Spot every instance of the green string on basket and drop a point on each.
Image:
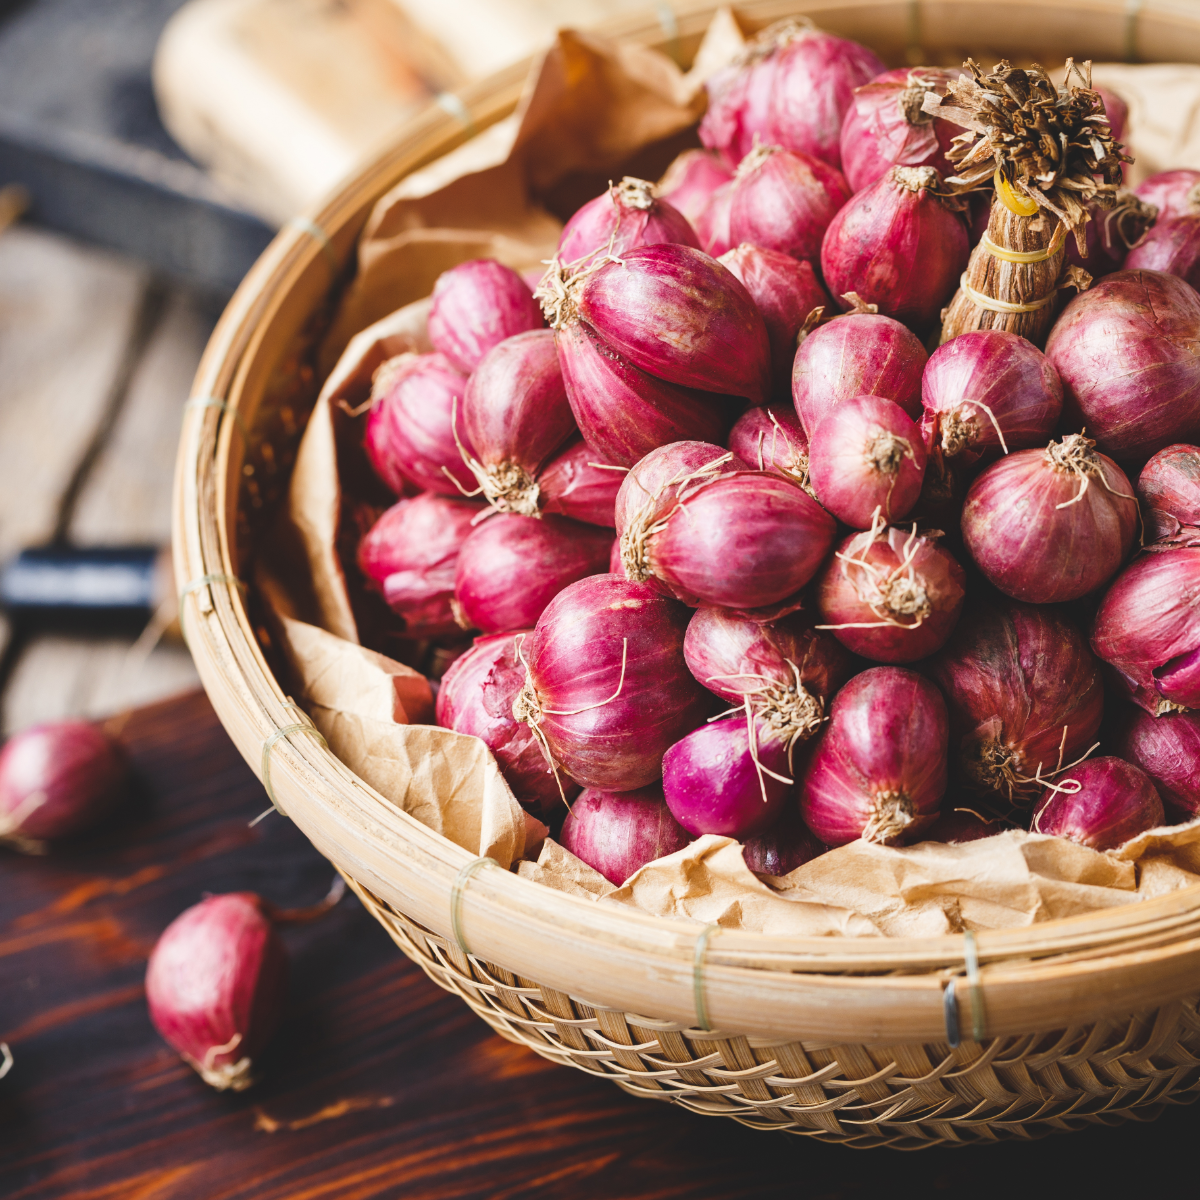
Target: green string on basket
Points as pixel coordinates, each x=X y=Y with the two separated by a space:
x=950 y=997
x=456 y=899
x=305 y=726
x=698 y=994
x=203 y=582
x=221 y=406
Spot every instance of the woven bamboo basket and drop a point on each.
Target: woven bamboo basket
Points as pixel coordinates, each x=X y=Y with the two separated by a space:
x=871 y=1042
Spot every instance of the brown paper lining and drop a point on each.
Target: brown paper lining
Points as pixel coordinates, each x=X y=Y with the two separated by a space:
x=592 y=111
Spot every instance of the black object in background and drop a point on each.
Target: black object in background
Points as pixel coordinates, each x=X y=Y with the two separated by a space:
x=79 y=129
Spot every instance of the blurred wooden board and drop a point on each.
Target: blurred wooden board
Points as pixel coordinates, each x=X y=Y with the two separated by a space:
x=379 y=1085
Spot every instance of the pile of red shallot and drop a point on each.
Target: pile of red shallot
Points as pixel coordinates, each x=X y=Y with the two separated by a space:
x=747 y=550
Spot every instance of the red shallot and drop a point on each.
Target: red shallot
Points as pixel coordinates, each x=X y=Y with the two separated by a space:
x=1148 y=630
x=410 y=432
x=958 y=825
x=898 y=245
x=690 y=181
x=772 y=439
x=1025 y=698
x=410 y=554
x=672 y=311
x=618 y=833
x=1173 y=246
x=476 y=697
x=1173 y=193
x=1050 y=525
x=745 y=540
x=886 y=126
x=58 y=779
x=512 y=566
x=215 y=985
x=786 y=292
x=712 y=222
x=783 y=200
x=476 y=305
x=515 y=416
x=1167 y=748
x=867 y=457
x=1128 y=354
x=727 y=778
x=1111 y=233
x=581 y=484
x=987 y=392
x=785 y=847
x=607 y=689
x=791 y=87
x=860 y=354
x=1169 y=489
x=623 y=412
x=891 y=595
x=625 y=216
x=1105 y=802
x=879 y=769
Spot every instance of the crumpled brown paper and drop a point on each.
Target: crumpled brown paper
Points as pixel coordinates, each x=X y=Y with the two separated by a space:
x=592 y=111
x=1009 y=881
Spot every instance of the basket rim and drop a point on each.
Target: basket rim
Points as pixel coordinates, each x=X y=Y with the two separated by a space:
x=755 y=982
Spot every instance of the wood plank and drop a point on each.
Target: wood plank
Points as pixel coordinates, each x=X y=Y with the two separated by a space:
x=127 y=496
x=379 y=1085
x=66 y=314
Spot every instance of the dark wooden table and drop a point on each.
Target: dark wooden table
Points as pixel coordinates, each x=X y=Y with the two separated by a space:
x=379 y=1084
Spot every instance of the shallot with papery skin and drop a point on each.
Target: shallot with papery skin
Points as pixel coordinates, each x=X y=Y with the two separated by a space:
x=783 y=200
x=1173 y=193
x=987 y=392
x=783 y=671
x=1173 y=246
x=476 y=697
x=1025 y=698
x=727 y=778
x=58 y=779
x=1148 y=630
x=215 y=985
x=1102 y=804
x=475 y=306
x=625 y=216
x=891 y=595
x=879 y=769
x=618 y=833
x=512 y=566
x=410 y=554
x=867 y=457
x=410 y=432
x=886 y=126
x=580 y=484
x=744 y=541
x=712 y=222
x=772 y=439
x=1167 y=748
x=786 y=291
x=690 y=181
x=899 y=245
x=791 y=86
x=958 y=825
x=515 y=415
x=1050 y=525
x=861 y=354
x=1128 y=353
x=607 y=689
x=623 y=412
x=1111 y=233
x=1169 y=489
x=783 y=848
x=672 y=311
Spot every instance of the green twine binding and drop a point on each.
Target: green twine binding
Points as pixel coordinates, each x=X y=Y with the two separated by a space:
x=698 y=996
x=456 y=899
x=202 y=582
x=950 y=997
x=305 y=726
x=221 y=406
x=318 y=235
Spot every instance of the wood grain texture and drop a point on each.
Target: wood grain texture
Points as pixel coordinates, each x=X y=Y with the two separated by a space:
x=379 y=1085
